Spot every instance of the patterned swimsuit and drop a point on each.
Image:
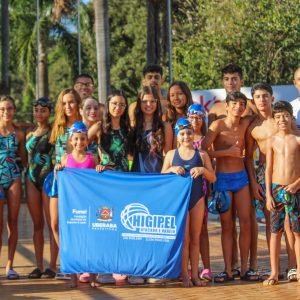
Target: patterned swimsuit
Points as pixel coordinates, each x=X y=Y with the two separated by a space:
x=114 y=144
x=9 y=169
x=40 y=164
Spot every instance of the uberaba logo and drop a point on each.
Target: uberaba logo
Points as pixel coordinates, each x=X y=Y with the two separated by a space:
x=136 y=217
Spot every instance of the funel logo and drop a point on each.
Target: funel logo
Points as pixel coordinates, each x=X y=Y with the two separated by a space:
x=136 y=217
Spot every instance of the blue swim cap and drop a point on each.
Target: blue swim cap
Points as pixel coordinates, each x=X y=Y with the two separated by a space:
x=196 y=109
x=78 y=127
x=182 y=123
x=219 y=203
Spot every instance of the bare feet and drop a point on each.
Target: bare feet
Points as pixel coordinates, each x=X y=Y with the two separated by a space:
x=270 y=281
x=186 y=282
x=73 y=282
x=93 y=281
x=197 y=282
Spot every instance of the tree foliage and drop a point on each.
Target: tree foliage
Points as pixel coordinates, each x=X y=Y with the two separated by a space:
x=260 y=35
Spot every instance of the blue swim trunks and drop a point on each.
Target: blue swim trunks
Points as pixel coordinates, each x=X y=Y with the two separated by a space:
x=231 y=182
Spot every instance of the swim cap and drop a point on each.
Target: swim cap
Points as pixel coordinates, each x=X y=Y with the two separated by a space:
x=44 y=102
x=196 y=109
x=219 y=203
x=78 y=127
x=182 y=123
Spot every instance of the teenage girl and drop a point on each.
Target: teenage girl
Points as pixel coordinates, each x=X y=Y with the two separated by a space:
x=151 y=136
x=114 y=139
x=66 y=113
x=179 y=99
x=12 y=147
x=40 y=153
x=79 y=158
x=186 y=159
x=114 y=142
x=196 y=115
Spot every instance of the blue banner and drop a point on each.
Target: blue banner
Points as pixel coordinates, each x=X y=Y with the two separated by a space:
x=125 y=223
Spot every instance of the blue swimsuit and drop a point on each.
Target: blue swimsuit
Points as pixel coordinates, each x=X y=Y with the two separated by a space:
x=197 y=185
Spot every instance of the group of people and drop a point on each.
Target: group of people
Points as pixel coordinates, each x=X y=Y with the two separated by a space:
x=163 y=135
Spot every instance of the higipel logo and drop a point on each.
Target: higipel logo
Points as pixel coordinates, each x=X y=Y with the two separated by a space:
x=136 y=217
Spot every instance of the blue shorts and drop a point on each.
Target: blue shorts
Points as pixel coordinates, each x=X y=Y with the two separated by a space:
x=231 y=182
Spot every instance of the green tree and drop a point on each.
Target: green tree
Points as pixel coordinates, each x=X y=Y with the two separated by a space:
x=261 y=36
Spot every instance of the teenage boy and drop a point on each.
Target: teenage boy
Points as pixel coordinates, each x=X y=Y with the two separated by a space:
x=152 y=76
x=228 y=137
x=84 y=85
x=283 y=185
x=232 y=79
x=296 y=103
x=258 y=133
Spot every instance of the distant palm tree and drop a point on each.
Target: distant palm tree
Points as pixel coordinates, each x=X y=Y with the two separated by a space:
x=4 y=85
x=51 y=30
x=102 y=47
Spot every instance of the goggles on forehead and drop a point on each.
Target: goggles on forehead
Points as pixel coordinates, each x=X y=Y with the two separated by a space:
x=78 y=127
x=196 y=112
x=44 y=102
x=182 y=124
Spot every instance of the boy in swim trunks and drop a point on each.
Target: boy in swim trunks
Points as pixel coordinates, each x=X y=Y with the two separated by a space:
x=283 y=185
x=228 y=136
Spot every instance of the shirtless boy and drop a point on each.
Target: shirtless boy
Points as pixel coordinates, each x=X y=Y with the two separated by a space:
x=153 y=76
x=283 y=185
x=228 y=136
x=232 y=79
x=258 y=133
x=260 y=130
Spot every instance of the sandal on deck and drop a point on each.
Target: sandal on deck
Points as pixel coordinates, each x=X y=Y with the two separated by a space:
x=223 y=277
x=12 y=275
x=48 y=273
x=35 y=274
x=292 y=275
x=206 y=275
x=250 y=275
x=270 y=281
x=236 y=274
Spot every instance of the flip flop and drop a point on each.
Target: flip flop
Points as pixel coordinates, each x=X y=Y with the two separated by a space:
x=84 y=278
x=270 y=281
x=12 y=275
x=250 y=275
x=48 y=273
x=292 y=275
x=35 y=274
x=236 y=274
x=223 y=277
x=206 y=275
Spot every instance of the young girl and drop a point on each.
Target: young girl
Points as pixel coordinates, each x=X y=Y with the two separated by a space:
x=79 y=158
x=12 y=147
x=197 y=163
x=66 y=113
x=40 y=153
x=151 y=136
x=92 y=117
x=179 y=99
x=196 y=115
